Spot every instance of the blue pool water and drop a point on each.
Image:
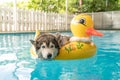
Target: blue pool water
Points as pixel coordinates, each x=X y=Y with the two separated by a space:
x=16 y=62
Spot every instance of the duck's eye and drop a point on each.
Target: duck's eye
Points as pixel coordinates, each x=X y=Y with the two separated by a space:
x=82 y=21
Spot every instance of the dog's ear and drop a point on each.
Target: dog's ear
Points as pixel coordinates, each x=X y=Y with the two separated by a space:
x=33 y=42
x=57 y=35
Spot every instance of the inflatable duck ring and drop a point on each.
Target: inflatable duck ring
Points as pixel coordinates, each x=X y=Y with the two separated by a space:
x=80 y=45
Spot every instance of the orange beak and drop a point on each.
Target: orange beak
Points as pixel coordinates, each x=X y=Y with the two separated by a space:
x=93 y=32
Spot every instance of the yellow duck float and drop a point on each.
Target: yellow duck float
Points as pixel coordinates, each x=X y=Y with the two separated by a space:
x=80 y=45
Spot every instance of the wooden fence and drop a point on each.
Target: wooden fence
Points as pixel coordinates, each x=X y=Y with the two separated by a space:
x=107 y=20
x=29 y=20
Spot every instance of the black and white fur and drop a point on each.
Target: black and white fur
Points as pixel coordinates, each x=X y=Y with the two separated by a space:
x=46 y=46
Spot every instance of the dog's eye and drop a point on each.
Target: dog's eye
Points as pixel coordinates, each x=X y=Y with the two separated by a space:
x=43 y=46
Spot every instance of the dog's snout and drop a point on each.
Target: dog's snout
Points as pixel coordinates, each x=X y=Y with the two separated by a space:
x=49 y=56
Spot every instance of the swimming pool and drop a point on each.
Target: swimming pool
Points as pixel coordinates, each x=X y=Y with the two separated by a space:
x=16 y=62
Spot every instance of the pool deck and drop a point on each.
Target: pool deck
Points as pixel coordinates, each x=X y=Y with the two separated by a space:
x=17 y=32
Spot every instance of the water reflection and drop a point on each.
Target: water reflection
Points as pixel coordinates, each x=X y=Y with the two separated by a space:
x=16 y=62
x=64 y=70
x=14 y=54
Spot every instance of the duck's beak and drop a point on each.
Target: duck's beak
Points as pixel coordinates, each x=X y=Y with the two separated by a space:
x=93 y=32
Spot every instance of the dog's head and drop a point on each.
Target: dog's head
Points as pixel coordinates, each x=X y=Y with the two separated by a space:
x=46 y=46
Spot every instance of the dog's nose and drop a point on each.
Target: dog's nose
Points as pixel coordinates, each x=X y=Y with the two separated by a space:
x=49 y=56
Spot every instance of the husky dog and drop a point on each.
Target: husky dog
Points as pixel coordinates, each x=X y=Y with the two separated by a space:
x=46 y=46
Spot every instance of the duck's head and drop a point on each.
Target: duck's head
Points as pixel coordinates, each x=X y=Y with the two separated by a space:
x=82 y=26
